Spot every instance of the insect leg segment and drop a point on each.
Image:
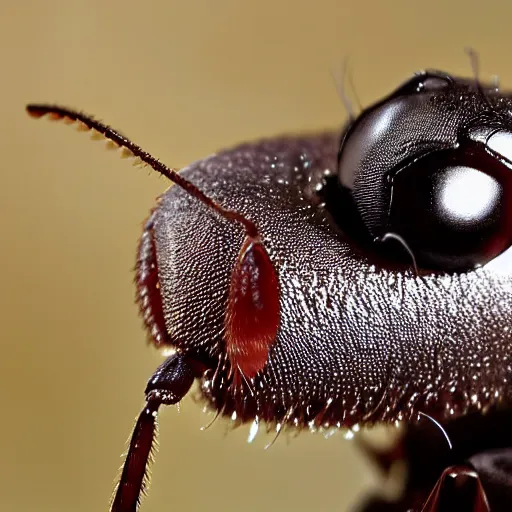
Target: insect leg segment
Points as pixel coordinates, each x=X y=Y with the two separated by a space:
x=168 y=385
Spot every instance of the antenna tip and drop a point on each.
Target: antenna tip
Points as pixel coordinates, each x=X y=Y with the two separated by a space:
x=34 y=111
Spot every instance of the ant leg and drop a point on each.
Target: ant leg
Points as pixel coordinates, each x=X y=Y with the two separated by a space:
x=458 y=488
x=168 y=385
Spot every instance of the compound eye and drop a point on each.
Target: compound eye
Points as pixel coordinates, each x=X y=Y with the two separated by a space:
x=452 y=208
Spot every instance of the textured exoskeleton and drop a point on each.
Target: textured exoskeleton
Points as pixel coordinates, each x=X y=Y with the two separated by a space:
x=318 y=281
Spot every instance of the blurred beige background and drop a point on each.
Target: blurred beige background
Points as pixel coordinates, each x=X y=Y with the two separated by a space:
x=183 y=79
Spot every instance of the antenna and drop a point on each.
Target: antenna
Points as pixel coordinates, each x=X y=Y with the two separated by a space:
x=253 y=311
x=130 y=149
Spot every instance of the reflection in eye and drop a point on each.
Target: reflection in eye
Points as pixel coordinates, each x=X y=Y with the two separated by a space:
x=371 y=128
x=466 y=195
x=501 y=143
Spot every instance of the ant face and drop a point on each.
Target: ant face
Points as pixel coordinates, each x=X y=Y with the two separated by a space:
x=310 y=284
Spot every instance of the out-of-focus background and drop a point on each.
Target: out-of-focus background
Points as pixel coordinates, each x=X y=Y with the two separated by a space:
x=183 y=79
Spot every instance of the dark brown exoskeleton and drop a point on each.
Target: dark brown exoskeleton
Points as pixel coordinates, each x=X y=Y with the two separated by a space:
x=305 y=283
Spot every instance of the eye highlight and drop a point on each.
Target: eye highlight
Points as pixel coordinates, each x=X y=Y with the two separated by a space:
x=465 y=195
x=452 y=209
x=501 y=143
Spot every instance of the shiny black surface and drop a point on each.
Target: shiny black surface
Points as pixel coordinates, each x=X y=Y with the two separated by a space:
x=405 y=165
x=361 y=339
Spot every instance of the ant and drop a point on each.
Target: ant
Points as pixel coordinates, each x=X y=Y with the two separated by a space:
x=318 y=282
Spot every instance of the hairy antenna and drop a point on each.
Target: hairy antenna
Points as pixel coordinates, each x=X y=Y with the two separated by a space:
x=253 y=312
x=130 y=149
